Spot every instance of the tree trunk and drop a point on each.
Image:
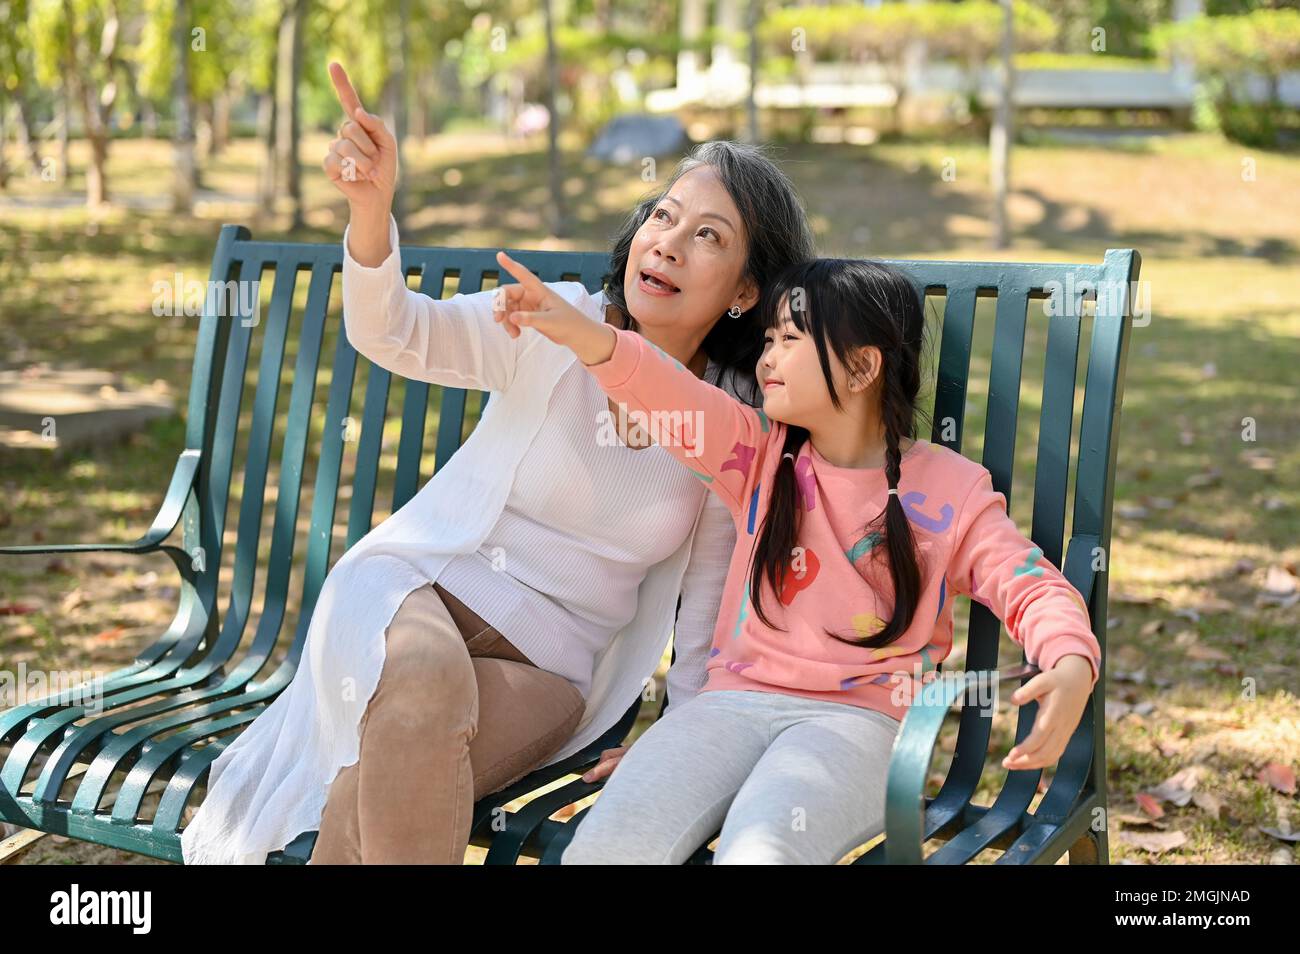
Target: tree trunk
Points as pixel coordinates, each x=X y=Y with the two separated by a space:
x=97 y=134
x=419 y=122
x=82 y=66
x=184 y=177
x=4 y=142
x=220 y=122
x=558 y=225
x=149 y=119
x=288 y=70
x=751 y=104
x=1001 y=133
x=96 y=172
x=266 y=125
x=26 y=137
x=65 y=118
x=397 y=106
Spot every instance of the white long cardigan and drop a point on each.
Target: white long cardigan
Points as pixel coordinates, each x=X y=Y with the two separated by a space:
x=272 y=781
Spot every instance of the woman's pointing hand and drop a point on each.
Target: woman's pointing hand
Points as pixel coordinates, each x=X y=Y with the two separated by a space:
x=532 y=304
x=362 y=161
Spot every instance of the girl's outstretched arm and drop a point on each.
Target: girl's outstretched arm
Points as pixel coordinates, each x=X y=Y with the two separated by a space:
x=996 y=565
x=719 y=439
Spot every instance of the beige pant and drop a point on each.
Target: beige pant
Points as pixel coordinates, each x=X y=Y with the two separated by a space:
x=458 y=713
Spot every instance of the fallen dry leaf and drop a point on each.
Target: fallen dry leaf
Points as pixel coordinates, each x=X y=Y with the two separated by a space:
x=1179 y=786
x=1156 y=842
x=1258 y=461
x=1138 y=821
x=1133 y=599
x=1150 y=805
x=1214 y=604
x=1209 y=803
x=109 y=635
x=1167 y=749
x=1278 y=777
x=1207 y=478
x=1117 y=709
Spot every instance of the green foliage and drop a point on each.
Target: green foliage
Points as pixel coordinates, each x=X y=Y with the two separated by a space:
x=15 y=45
x=1113 y=27
x=216 y=49
x=587 y=58
x=969 y=31
x=51 y=38
x=80 y=42
x=583 y=47
x=1226 y=51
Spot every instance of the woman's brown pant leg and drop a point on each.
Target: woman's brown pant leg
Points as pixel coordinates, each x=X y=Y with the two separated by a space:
x=412 y=785
x=521 y=715
x=525 y=714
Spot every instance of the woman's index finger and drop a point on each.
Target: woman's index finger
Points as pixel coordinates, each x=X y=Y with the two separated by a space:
x=521 y=273
x=343 y=89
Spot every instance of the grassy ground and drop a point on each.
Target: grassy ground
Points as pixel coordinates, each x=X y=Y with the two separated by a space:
x=1201 y=662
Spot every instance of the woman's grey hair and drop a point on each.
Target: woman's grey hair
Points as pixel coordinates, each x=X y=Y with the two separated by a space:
x=777 y=235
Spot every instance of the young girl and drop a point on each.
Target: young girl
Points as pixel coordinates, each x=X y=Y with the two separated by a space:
x=852 y=540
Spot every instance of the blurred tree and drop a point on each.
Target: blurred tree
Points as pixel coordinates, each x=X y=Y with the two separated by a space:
x=288 y=70
x=1116 y=27
x=394 y=66
x=1230 y=53
x=16 y=77
x=184 y=172
x=78 y=45
x=970 y=31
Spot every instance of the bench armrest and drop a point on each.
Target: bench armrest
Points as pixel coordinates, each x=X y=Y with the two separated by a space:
x=169 y=514
x=913 y=751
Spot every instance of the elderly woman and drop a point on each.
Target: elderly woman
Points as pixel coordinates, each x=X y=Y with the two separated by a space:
x=503 y=620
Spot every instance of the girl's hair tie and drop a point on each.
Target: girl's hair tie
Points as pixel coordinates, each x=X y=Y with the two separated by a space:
x=894 y=491
x=787 y=454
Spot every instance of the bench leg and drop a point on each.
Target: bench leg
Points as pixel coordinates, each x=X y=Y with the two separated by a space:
x=1089 y=849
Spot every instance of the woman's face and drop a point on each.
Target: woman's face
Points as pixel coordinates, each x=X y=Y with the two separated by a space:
x=694 y=241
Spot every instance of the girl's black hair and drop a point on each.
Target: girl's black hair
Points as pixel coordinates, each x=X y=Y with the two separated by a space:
x=844 y=305
x=776 y=235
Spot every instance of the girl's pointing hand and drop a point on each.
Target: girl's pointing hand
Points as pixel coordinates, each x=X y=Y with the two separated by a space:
x=532 y=304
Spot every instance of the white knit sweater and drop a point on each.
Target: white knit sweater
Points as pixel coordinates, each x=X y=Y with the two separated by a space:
x=585 y=520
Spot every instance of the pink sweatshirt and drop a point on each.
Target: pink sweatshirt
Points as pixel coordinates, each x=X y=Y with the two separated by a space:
x=966 y=543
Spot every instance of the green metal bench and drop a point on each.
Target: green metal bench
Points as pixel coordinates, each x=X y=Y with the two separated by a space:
x=124 y=775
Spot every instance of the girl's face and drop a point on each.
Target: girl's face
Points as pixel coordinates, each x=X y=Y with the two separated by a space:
x=694 y=241
x=793 y=385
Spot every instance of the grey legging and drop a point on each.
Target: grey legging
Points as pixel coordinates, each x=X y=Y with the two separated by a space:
x=789 y=780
